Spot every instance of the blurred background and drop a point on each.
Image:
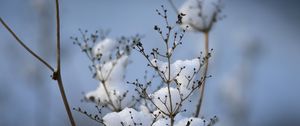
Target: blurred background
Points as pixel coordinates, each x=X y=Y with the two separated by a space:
x=255 y=62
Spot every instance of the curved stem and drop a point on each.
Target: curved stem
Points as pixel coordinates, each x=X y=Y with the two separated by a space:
x=56 y=73
x=64 y=97
x=25 y=46
x=206 y=47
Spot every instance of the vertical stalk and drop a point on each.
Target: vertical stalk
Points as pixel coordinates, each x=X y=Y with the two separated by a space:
x=169 y=79
x=57 y=35
x=169 y=82
x=57 y=73
x=64 y=97
x=206 y=47
x=172 y=120
x=109 y=98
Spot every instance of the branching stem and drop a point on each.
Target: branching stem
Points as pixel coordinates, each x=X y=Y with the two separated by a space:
x=109 y=98
x=26 y=47
x=56 y=73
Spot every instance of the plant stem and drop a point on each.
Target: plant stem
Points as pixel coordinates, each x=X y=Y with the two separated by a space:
x=25 y=46
x=65 y=100
x=57 y=35
x=108 y=96
x=169 y=78
x=206 y=47
x=172 y=120
x=169 y=83
x=57 y=73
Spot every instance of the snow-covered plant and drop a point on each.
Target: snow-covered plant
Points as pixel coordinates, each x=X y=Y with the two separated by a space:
x=178 y=77
x=134 y=103
x=200 y=15
x=109 y=58
x=137 y=103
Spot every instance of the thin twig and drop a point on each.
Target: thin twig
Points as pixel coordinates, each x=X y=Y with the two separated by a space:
x=56 y=73
x=57 y=35
x=206 y=53
x=93 y=117
x=108 y=96
x=26 y=47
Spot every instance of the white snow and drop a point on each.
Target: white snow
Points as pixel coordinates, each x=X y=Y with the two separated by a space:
x=189 y=67
x=193 y=122
x=199 y=13
x=112 y=72
x=128 y=116
x=181 y=121
x=161 y=99
x=104 y=47
x=115 y=73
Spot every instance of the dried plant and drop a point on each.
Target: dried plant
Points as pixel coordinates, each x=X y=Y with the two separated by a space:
x=200 y=16
x=56 y=71
x=178 y=80
x=109 y=60
x=137 y=102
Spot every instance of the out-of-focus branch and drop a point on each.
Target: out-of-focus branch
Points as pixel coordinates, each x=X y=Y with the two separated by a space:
x=206 y=54
x=26 y=47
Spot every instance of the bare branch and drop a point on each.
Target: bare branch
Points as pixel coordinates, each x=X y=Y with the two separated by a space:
x=26 y=47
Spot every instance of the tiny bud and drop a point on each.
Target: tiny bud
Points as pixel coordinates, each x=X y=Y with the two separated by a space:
x=155 y=27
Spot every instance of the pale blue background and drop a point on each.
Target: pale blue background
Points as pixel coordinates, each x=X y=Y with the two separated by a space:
x=29 y=97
